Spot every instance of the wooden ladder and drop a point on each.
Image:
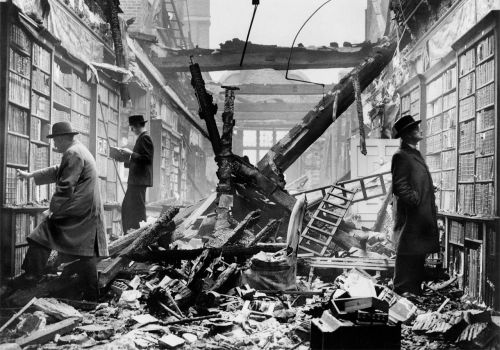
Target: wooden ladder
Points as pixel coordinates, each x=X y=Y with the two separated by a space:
x=175 y=31
x=325 y=221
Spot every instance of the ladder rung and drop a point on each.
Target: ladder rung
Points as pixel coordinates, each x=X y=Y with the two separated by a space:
x=313 y=239
x=330 y=212
x=336 y=204
x=310 y=227
x=342 y=189
x=309 y=250
x=326 y=221
x=347 y=199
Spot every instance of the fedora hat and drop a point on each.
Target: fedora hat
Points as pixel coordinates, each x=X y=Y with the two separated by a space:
x=62 y=128
x=136 y=119
x=404 y=123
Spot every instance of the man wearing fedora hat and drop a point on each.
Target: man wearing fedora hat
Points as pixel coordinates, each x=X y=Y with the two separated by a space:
x=140 y=175
x=74 y=224
x=415 y=222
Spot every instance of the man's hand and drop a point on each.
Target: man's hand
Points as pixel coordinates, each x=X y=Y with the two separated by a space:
x=126 y=151
x=436 y=189
x=46 y=214
x=23 y=174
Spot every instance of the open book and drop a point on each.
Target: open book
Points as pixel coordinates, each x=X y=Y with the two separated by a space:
x=117 y=154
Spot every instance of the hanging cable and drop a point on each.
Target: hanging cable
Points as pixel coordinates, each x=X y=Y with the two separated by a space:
x=255 y=3
x=293 y=43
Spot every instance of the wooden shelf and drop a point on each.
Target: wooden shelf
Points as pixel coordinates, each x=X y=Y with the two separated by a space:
x=484 y=155
x=17 y=73
x=485 y=59
x=19 y=105
x=469 y=217
x=485 y=107
x=467 y=151
x=18 y=134
x=19 y=49
x=456 y=243
x=473 y=240
x=485 y=84
x=14 y=165
x=47 y=95
x=466 y=96
x=40 y=69
x=59 y=104
x=41 y=143
x=467 y=73
x=484 y=130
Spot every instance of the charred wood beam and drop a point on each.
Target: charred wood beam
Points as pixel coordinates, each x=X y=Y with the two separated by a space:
x=313 y=125
x=271 y=228
x=151 y=234
x=229 y=236
x=172 y=256
x=272 y=57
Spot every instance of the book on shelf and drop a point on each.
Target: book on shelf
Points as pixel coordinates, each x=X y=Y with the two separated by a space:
x=40 y=106
x=19 y=90
x=39 y=157
x=111 y=191
x=467 y=108
x=485 y=96
x=484 y=196
x=467 y=139
x=21 y=227
x=449 y=100
x=448 y=160
x=447 y=201
x=467 y=85
x=41 y=58
x=485 y=72
x=485 y=143
x=17 y=120
x=60 y=116
x=485 y=168
x=40 y=81
x=19 y=63
x=471 y=230
x=485 y=119
x=449 y=139
x=485 y=48
x=19 y=37
x=448 y=180
x=450 y=79
x=467 y=62
x=466 y=167
x=62 y=96
x=17 y=149
x=473 y=271
x=16 y=191
x=466 y=199
x=19 y=254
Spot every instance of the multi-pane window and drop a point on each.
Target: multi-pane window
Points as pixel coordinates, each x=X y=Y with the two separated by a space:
x=256 y=143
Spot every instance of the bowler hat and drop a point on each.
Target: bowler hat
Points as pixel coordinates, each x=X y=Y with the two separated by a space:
x=136 y=119
x=404 y=123
x=62 y=128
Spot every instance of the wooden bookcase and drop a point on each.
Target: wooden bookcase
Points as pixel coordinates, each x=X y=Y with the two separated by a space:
x=472 y=231
x=440 y=136
x=26 y=105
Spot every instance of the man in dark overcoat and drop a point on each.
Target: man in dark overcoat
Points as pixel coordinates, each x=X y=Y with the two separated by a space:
x=140 y=175
x=74 y=222
x=415 y=223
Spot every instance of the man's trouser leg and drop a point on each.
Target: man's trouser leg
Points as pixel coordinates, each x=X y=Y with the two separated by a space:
x=35 y=259
x=133 y=207
x=409 y=273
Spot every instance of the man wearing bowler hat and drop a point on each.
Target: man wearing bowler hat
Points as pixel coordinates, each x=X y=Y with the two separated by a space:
x=74 y=222
x=415 y=223
x=140 y=175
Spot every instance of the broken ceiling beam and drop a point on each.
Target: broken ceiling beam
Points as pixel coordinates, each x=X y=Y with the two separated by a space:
x=172 y=256
x=313 y=125
x=230 y=236
x=267 y=56
x=47 y=334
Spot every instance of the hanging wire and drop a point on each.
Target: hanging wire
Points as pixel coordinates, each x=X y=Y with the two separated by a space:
x=291 y=50
x=255 y=3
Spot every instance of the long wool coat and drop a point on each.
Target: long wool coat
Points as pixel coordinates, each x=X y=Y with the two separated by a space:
x=77 y=219
x=415 y=222
x=141 y=162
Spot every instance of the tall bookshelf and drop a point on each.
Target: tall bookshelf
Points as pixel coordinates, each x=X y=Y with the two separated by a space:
x=440 y=134
x=473 y=249
x=162 y=166
x=410 y=102
x=28 y=117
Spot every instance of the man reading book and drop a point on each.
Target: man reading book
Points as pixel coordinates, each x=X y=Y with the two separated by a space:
x=140 y=176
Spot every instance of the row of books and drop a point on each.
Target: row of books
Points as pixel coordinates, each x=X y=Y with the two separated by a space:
x=485 y=119
x=449 y=100
x=41 y=58
x=60 y=116
x=39 y=194
x=448 y=180
x=19 y=63
x=40 y=81
x=466 y=199
x=39 y=129
x=434 y=162
x=455 y=263
x=61 y=78
x=467 y=108
x=450 y=119
x=456 y=233
x=81 y=87
x=101 y=164
x=435 y=88
x=40 y=106
x=435 y=107
x=434 y=143
x=485 y=72
x=405 y=103
x=80 y=104
x=467 y=136
x=17 y=120
x=447 y=201
x=111 y=171
x=466 y=167
x=485 y=48
x=39 y=157
x=484 y=199
x=19 y=90
x=415 y=95
x=450 y=79
x=467 y=85
x=62 y=96
x=415 y=108
x=466 y=62
x=485 y=143
x=449 y=139
x=485 y=96
x=434 y=125
x=80 y=122
x=471 y=230
x=16 y=191
x=108 y=192
x=19 y=37
x=17 y=150
x=22 y=228
x=448 y=160
x=472 y=272
x=485 y=168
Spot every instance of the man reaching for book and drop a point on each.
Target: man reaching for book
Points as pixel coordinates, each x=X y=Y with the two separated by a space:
x=74 y=225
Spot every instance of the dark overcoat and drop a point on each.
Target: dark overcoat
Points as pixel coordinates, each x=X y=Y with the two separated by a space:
x=141 y=162
x=77 y=219
x=415 y=222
